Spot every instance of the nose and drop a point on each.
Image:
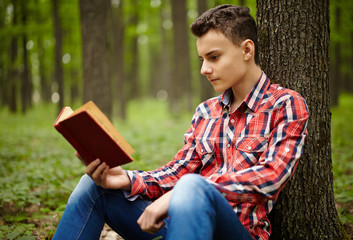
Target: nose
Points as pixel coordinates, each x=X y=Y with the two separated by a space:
x=206 y=69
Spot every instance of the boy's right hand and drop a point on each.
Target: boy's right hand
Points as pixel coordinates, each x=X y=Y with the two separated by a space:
x=105 y=177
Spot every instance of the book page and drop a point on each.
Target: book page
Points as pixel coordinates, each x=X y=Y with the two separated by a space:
x=65 y=113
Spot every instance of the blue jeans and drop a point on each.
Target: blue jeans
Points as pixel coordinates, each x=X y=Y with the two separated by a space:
x=197 y=210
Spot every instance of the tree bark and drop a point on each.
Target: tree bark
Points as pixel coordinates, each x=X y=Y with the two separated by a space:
x=181 y=81
x=97 y=84
x=294 y=51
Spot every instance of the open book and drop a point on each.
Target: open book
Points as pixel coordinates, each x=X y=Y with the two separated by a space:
x=93 y=136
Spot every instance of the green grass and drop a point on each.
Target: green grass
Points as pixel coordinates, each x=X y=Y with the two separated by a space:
x=38 y=169
x=342 y=156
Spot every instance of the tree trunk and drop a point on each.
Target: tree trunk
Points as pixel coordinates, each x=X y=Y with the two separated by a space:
x=13 y=72
x=118 y=34
x=206 y=87
x=336 y=75
x=294 y=51
x=181 y=82
x=4 y=85
x=97 y=84
x=351 y=63
x=160 y=57
x=13 y=75
x=26 y=85
x=133 y=72
x=59 y=74
x=45 y=90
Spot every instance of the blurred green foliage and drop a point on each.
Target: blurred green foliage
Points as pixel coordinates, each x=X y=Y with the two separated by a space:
x=342 y=156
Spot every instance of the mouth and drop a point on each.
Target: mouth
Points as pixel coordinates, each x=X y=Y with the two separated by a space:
x=213 y=79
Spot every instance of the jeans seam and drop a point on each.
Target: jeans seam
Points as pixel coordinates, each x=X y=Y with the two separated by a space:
x=89 y=213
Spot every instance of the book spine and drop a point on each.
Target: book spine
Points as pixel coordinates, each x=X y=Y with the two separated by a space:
x=86 y=157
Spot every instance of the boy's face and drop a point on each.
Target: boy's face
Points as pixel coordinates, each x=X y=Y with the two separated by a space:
x=222 y=61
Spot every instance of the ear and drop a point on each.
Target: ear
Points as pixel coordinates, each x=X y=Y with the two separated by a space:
x=248 y=47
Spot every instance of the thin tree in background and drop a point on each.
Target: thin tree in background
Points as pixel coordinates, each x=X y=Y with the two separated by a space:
x=44 y=91
x=133 y=70
x=13 y=71
x=181 y=82
x=294 y=51
x=160 y=56
x=26 y=84
x=350 y=80
x=118 y=69
x=206 y=88
x=59 y=75
x=94 y=28
x=336 y=74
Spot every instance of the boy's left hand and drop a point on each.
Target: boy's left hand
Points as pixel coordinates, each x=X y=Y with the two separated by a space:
x=151 y=220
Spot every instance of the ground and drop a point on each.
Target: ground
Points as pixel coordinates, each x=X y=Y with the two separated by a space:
x=45 y=226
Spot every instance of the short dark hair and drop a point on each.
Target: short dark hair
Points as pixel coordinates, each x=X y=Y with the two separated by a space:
x=235 y=22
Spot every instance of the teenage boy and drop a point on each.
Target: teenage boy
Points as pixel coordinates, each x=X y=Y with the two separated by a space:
x=241 y=149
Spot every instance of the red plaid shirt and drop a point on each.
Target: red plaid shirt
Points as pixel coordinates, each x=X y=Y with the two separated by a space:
x=248 y=155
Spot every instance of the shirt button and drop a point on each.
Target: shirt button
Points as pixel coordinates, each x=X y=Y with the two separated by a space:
x=232 y=120
x=249 y=148
x=228 y=145
x=202 y=150
x=286 y=149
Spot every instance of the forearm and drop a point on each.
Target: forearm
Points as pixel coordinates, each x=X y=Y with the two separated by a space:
x=152 y=218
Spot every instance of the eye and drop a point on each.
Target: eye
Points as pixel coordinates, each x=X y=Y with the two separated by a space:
x=201 y=59
x=214 y=57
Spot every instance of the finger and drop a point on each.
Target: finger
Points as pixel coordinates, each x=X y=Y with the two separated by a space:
x=147 y=224
x=92 y=166
x=159 y=225
x=78 y=156
x=104 y=173
x=96 y=175
x=152 y=229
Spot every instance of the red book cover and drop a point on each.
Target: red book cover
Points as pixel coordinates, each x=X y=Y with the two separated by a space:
x=93 y=136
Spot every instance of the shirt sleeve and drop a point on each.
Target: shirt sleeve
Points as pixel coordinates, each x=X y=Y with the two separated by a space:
x=154 y=184
x=276 y=164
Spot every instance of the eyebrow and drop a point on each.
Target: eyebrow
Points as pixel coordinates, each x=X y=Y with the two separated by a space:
x=210 y=53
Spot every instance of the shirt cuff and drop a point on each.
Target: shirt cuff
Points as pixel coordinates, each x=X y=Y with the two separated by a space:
x=128 y=196
x=137 y=183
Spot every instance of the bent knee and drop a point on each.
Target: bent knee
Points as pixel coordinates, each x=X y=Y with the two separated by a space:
x=188 y=191
x=84 y=189
x=191 y=181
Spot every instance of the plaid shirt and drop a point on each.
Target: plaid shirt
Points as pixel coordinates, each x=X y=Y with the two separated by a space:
x=248 y=155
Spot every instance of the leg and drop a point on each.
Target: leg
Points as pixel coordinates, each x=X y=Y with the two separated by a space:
x=197 y=210
x=90 y=206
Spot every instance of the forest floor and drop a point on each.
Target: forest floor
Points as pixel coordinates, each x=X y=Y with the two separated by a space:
x=348 y=225
x=38 y=170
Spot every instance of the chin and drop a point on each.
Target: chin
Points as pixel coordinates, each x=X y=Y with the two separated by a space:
x=219 y=89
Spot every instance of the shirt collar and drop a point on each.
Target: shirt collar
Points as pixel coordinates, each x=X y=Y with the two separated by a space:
x=253 y=99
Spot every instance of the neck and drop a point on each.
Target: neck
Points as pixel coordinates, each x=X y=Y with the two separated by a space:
x=242 y=90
